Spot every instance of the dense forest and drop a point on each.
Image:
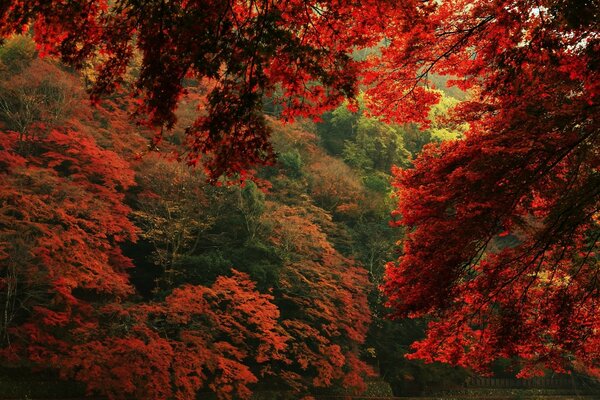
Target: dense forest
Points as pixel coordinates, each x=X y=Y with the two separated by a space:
x=273 y=278
x=300 y=198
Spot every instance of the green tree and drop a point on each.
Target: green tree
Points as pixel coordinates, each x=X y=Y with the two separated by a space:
x=337 y=127
x=376 y=146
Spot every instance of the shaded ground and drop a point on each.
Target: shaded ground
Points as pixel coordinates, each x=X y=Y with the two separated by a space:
x=20 y=386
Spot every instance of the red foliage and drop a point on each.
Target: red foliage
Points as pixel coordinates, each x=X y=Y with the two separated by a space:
x=65 y=291
x=249 y=49
x=64 y=282
x=528 y=166
x=62 y=222
x=331 y=316
x=198 y=338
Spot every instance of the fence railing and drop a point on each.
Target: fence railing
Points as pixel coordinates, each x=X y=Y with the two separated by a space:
x=562 y=382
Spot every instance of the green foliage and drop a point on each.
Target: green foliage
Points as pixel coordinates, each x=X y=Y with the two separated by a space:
x=16 y=54
x=376 y=146
x=441 y=130
x=204 y=268
x=252 y=201
x=255 y=258
x=260 y=260
x=377 y=182
x=251 y=205
x=356 y=156
x=365 y=143
x=337 y=127
x=415 y=139
x=292 y=163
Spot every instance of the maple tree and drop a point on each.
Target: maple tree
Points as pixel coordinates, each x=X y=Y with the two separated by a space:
x=218 y=338
x=63 y=215
x=248 y=49
x=502 y=226
x=323 y=299
x=62 y=222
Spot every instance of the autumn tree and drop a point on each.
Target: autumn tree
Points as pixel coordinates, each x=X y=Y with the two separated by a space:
x=526 y=170
x=62 y=221
x=299 y=48
x=63 y=215
x=172 y=213
x=323 y=302
x=217 y=338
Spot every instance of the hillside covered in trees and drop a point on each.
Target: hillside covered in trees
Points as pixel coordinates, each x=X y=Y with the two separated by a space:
x=300 y=198
x=128 y=271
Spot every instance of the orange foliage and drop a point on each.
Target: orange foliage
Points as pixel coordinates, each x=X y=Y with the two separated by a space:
x=334 y=184
x=328 y=294
x=215 y=338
